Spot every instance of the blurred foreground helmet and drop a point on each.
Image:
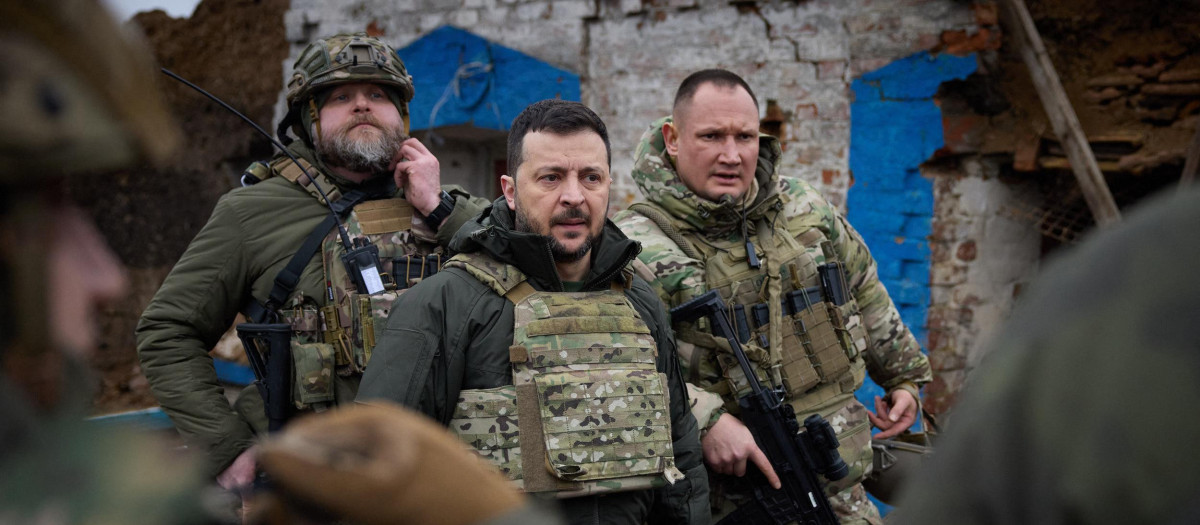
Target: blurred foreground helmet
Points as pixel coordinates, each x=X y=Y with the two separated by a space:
x=342 y=59
x=77 y=92
x=378 y=464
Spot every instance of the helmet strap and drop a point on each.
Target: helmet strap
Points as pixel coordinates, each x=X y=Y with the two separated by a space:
x=315 y=117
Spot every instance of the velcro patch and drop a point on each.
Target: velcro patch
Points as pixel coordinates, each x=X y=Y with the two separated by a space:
x=384 y=216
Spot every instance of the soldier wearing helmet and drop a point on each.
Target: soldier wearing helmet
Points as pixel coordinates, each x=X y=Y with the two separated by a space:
x=272 y=252
x=81 y=101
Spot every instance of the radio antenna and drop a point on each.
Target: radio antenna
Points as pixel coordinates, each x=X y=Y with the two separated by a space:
x=337 y=220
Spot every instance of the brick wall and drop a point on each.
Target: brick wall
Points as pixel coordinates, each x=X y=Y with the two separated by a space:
x=633 y=53
x=981 y=255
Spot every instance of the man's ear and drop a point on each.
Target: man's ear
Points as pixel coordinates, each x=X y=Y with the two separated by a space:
x=508 y=186
x=671 y=138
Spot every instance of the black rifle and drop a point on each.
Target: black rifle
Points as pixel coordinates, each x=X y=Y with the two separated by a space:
x=796 y=457
x=269 y=348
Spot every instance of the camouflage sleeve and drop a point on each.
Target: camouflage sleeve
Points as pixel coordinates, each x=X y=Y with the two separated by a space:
x=707 y=407
x=676 y=277
x=894 y=356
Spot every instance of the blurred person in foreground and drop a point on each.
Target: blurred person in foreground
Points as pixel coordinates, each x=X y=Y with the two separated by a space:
x=80 y=100
x=1082 y=410
x=382 y=464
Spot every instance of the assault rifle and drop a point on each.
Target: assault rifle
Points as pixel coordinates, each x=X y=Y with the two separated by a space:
x=796 y=457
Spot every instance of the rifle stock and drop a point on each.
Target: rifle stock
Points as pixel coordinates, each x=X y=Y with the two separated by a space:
x=796 y=457
x=269 y=349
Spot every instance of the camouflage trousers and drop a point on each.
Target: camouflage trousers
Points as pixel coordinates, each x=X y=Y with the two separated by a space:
x=851 y=505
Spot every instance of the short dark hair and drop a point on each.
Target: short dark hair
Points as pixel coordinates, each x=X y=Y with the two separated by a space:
x=560 y=117
x=717 y=77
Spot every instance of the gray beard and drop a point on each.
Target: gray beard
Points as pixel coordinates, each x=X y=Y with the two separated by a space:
x=364 y=155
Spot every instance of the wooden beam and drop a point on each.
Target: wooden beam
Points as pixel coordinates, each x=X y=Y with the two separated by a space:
x=1058 y=109
x=1193 y=160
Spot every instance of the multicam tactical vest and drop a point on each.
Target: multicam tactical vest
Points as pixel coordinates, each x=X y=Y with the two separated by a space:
x=335 y=334
x=789 y=323
x=588 y=412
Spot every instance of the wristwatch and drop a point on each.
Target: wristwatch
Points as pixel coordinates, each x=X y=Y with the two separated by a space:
x=439 y=214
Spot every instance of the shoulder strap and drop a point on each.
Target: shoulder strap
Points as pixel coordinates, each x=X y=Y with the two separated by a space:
x=295 y=172
x=664 y=223
x=501 y=278
x=289 y=276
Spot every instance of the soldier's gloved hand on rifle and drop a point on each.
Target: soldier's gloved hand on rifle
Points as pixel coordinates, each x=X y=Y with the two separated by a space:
x=894 y=416
x=729 y=444
x=377 y=464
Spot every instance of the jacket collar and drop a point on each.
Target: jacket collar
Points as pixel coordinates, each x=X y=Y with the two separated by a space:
x=655 y=174
x=492 y=232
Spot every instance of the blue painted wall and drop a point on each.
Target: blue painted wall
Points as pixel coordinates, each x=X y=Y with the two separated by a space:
x=894 y=127
x=469 y=80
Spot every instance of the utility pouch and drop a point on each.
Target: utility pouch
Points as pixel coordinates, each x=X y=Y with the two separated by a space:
x=312 y=383
x=819 y=337
x=368 y=318
x=268 y=347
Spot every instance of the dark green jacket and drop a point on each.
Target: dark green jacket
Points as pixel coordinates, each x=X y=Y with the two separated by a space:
x=452 y=332
x=251 y=236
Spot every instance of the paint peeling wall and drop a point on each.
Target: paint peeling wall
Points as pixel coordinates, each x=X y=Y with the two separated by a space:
x=981 y=256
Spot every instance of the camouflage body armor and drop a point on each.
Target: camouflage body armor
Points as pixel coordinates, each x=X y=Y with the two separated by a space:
x=784 y=310
x=594 y=410
x=336 y=334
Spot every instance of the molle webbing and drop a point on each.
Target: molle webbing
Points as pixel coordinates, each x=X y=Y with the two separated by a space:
x=499 y=277
x=594 y=411
x=293 y=172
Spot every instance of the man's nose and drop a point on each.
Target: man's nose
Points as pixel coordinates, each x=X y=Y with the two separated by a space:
x=362 y=102
x=572 y=192
x=729 y=152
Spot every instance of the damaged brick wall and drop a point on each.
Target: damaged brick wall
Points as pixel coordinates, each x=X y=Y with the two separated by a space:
x=631 y=54
x=981 y=254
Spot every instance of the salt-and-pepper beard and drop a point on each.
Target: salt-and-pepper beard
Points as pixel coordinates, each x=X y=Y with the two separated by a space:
x=561 y=253
x=371 y=153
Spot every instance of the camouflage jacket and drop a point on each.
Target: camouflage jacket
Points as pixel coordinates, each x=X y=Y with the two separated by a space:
x=251 y=235
x=1095 y=379
x=894 y=359
x=56 y=468
x=452 y=333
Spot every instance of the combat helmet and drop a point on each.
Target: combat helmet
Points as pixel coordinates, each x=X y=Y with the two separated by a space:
x=78 y=94
x=342 y=59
